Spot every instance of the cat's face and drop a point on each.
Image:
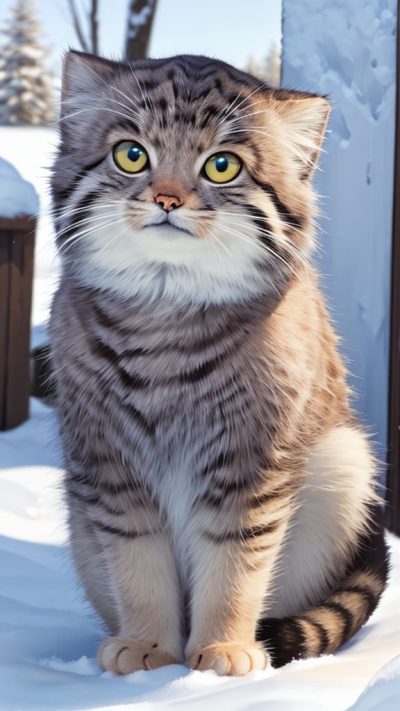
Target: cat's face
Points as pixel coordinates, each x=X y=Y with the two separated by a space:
x=183 y=178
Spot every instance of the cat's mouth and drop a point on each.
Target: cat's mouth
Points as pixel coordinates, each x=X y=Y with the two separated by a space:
x=167 y=228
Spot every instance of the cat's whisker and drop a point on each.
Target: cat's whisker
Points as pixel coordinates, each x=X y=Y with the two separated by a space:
x=52 y=229
x=289 y=146
x=281 y=237
x=146 y=97
x=94 y=108
x=97 y=103
x=98 y=78
x=134 y=111
x=262 y=86
x=227 y=250
x=130 y=99
x=214 y=242
x=243 y=116
x=86 y=220
x=64 y=248
x=253 y=104
x=67 y=212
x=114 y=238
x=243 y=216
x=231 y=107
x=263 y=247
x=69 y=228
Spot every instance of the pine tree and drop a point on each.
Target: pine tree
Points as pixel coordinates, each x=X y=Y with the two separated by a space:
x=26 y=95
x=273 y=65
x=269 y=68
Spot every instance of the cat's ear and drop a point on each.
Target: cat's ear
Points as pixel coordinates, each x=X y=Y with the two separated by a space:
x=304 y=118
x=84 y=75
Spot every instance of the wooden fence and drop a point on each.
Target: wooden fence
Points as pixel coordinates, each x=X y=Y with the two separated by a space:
x=17 y=239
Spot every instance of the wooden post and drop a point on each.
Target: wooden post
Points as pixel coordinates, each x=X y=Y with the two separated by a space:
x=17 y=239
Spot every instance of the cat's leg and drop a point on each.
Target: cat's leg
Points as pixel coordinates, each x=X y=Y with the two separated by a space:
x=149 y=607
x=126 y=561
x=90 y=564
x=236 y=540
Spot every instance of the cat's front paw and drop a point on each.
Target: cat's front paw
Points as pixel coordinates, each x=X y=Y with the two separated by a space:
x=229 y=659
x=121 y=655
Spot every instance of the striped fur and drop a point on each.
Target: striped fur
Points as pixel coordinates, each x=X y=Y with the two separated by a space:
x=218 y=484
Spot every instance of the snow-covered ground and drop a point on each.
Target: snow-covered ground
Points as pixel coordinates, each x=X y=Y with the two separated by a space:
x=49 y=635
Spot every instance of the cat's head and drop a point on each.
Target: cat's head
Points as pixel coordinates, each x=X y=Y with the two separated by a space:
x=183 y=178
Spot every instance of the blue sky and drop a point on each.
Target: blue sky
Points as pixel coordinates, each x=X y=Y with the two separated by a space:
x=228 y=29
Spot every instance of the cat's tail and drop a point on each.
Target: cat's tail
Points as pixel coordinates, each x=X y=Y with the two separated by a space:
x=325 y=627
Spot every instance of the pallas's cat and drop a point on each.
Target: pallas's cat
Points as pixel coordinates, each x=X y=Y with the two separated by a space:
x=221 y=494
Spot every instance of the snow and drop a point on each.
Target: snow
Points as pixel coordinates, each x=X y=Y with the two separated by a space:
x=17 y=196
x=49 y=634
x=383 y=691
x=347 y=50
x=138 y=18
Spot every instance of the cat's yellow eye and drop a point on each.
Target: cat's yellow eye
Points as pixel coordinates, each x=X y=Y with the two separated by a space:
x=130 y=156
x=222 y=167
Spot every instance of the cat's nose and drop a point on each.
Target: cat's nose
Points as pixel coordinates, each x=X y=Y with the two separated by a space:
x=168 y=202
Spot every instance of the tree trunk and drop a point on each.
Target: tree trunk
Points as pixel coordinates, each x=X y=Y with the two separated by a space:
x=140 y=21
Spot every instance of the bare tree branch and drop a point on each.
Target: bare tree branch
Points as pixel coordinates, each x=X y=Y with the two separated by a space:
x=77 y=26
x=94 y=27
x=139 y=26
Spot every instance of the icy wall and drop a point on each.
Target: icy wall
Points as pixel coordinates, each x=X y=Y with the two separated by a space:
x=346 y=49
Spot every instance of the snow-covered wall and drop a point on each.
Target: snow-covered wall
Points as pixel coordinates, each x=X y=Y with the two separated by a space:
x=346 y=49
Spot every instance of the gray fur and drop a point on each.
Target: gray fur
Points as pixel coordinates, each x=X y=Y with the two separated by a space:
x=191 y=397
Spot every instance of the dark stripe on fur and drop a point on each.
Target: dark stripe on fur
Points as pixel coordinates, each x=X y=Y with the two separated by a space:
x=283 y=637
x=261 y=222
x=218 y=497
x=96 y=500
x=367 y=596
x=285 y=214
x=83 y=212
x=263 y=499
x=345 y=615
x=97 y=482
x=243 y=535
x=148 y=427
x=129 y=380
x=65 y=193
x=222 y=459
x=202 y=371
x=120 y=532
